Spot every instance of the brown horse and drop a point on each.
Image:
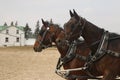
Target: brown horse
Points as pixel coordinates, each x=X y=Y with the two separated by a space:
x=81 y=49
x=49 y=33
x=105 y=43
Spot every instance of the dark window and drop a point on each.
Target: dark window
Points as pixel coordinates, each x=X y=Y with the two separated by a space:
x=17 y=39
x=17 y=32
x=7 y=31
x=6 y=39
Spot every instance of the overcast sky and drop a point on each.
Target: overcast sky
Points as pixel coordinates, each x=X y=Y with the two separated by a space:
x=103 y=13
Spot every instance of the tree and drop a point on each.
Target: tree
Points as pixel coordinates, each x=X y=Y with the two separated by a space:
x=27 y=30
x=5 y=24
x=16 y=24
x=51 y=21
x=12 y=24
x=37 y=29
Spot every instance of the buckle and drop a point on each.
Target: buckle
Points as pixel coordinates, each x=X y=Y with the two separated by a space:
x=93 y=58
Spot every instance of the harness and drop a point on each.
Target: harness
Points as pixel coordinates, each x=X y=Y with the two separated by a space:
x=90 y=59
x=69 y=57
x=103 y=49
x=99 y=53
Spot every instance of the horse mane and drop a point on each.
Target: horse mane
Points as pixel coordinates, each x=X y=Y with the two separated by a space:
x=55 y=25
x=97 y=28
x=49 y=23
x=113 y=35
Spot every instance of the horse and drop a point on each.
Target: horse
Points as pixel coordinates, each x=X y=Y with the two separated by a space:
x=49 y=33
x=41 y=43
x=104 y=45
x=81 y=50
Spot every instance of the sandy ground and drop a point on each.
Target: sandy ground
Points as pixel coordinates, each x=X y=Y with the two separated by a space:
x=22 y=63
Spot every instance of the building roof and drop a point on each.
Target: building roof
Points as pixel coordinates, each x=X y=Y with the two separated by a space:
x=20 y=28
x=5 y=27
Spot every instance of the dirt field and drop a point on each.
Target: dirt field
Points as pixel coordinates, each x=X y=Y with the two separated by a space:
x=22 y=63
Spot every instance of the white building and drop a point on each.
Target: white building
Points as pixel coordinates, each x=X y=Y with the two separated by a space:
x=12 y=36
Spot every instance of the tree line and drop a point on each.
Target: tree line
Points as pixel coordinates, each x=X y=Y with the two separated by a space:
x=29 y=33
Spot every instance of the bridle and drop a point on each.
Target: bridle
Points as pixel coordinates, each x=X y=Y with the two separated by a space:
x=43 y=37
x=71 y=35
x=50 y=37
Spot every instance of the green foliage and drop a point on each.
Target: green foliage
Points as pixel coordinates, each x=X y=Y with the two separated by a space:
x=27 y=30
x=36 y=29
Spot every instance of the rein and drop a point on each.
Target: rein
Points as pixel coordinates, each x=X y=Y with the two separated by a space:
x=99 y=53
x=102 y=50
x=96 y=42
x=41 y=42
x=69 y=57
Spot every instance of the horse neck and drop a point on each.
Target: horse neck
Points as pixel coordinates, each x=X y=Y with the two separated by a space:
x=61 y=50
x=83 y=49
x=91 y=33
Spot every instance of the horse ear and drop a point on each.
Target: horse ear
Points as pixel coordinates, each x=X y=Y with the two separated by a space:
x=51 y=21
x=71 y=14
x=76 y=15
x=43 y=21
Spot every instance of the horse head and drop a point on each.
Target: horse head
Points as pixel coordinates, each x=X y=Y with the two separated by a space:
x=73 y=28
x=44 y=38
x=47 y=35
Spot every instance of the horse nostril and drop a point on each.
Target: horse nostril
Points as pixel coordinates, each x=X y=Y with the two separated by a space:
x=43 y=47
x=34 y=49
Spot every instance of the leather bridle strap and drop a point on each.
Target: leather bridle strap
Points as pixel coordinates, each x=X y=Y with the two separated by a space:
x=41 y=42
x=79 y=23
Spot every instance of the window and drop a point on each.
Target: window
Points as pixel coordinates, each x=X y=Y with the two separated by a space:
x=6 y=39
x=17 y=39
x=7 y=31
x=17 y=32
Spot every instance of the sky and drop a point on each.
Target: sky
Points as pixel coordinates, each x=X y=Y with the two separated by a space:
x=103 y=13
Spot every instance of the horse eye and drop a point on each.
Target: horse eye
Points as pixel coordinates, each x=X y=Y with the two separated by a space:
x=72 y=26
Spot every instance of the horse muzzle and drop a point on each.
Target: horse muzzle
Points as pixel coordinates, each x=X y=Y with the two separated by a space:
x=39 y=49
